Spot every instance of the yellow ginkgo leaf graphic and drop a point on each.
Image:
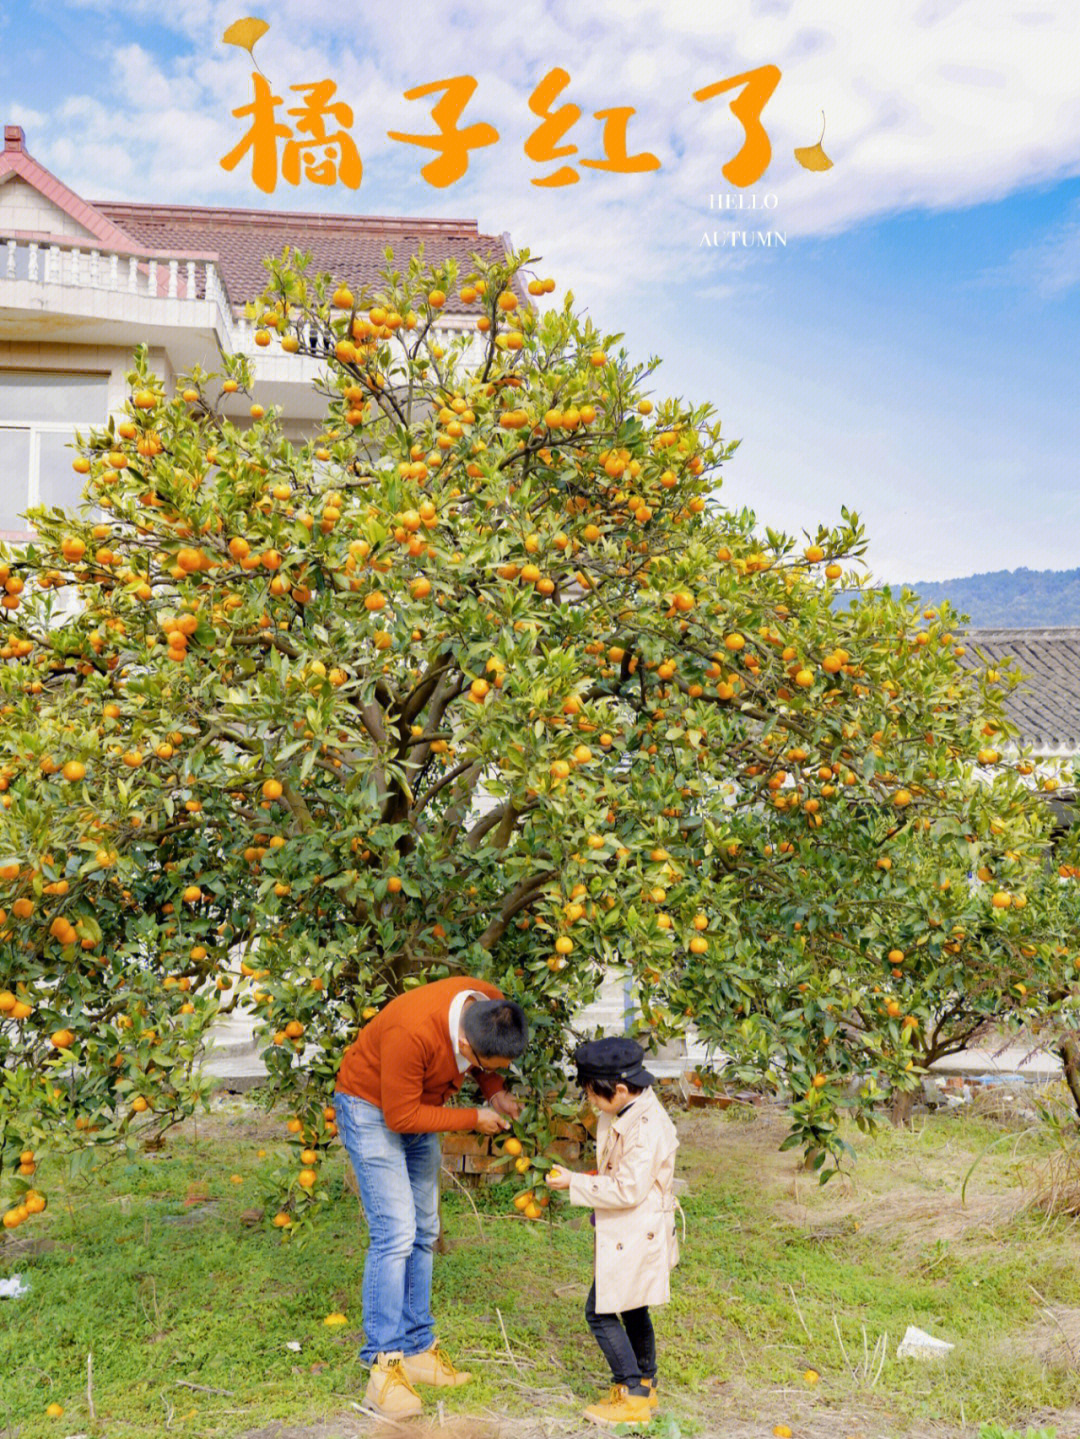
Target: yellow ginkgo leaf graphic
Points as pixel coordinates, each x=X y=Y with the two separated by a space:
x=813 y=157
x=245 y=33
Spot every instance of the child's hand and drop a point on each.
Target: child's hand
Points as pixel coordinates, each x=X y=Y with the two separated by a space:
x=558 y=1179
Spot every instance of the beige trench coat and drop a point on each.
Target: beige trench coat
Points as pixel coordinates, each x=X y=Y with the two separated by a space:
x=633 y=1194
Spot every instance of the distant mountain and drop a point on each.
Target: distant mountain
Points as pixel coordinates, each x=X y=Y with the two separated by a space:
x=1020 y=599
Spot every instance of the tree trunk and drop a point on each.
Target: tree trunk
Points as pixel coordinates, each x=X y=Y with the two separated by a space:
x=900 y=1109
x=1069 y=1049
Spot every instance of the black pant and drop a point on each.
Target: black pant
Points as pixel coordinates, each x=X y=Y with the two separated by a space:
x=629 y=1347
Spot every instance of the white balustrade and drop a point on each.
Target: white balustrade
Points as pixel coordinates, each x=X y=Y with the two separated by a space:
x=73 y=266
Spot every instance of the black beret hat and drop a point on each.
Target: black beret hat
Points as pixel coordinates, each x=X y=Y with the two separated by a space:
x=615 y=1060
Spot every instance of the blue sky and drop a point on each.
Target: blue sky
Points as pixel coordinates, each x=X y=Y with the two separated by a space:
x=912 y=352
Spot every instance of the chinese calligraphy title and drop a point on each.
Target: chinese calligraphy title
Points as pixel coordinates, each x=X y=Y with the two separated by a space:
x=318 y=147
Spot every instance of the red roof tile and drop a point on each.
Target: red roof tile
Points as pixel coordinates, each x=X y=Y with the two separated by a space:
x=350 y=247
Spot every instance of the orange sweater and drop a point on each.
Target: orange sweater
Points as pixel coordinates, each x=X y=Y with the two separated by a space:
x=403 y=1061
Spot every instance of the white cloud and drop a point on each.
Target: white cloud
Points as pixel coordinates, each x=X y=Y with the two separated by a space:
x=927 y=104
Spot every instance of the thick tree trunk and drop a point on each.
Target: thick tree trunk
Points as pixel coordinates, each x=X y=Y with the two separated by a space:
x=1069 y=1049
x=900 y=1108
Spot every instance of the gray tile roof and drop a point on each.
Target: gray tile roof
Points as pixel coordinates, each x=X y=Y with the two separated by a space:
x=1046 y=706
x=349 y=246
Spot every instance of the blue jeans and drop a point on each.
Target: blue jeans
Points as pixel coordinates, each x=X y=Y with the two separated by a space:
x=398 y=1178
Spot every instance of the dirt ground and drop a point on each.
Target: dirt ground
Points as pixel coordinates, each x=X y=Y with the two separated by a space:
x=837 y=1424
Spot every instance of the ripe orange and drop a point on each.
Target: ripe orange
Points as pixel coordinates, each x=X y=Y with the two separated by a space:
x=512 y=1146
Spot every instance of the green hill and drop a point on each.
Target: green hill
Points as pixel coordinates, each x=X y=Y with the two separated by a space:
x=1022 y=599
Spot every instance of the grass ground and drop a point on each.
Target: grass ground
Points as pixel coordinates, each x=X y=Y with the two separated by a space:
x=189 y=1313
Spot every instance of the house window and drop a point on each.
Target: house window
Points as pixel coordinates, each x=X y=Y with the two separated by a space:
x=39 y=414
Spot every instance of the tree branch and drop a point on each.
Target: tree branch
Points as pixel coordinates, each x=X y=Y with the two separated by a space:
x=519 y=897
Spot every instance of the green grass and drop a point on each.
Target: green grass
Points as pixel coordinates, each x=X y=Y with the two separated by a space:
x=163 y=1293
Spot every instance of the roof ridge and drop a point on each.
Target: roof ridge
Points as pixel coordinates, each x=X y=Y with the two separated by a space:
x=15 y=160
x=1050 y=632
x=145 y=211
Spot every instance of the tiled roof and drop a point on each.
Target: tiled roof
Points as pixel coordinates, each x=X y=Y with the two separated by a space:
x=1046 y=706
x=350 y=247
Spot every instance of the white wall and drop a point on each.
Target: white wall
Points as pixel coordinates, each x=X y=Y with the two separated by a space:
x=24 y=208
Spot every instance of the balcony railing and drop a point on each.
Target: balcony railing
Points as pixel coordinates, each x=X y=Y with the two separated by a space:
x=188 y=278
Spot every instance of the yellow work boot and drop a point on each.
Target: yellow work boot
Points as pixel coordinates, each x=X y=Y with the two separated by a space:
x=654 y=1397
x=621 y=1407
x=433 y=1366
x=389 y=1392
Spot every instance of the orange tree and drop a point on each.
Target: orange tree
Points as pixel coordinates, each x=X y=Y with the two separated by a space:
x=483 y=678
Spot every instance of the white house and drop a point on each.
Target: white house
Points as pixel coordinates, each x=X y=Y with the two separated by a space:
x=83 y=282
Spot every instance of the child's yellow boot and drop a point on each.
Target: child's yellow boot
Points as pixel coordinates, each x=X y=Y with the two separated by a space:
x=621 y=1407
x=654 y=1397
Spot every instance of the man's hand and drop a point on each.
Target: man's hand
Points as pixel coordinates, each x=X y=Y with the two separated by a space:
x=488 y=1122
x=503 y=1102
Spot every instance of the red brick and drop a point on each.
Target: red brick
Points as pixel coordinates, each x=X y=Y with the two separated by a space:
x=477 y=1163
x=459 y=1141
x=564 y=1149
x=569 y=1129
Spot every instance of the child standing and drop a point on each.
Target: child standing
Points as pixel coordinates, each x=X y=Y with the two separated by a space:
x=632 y=1195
